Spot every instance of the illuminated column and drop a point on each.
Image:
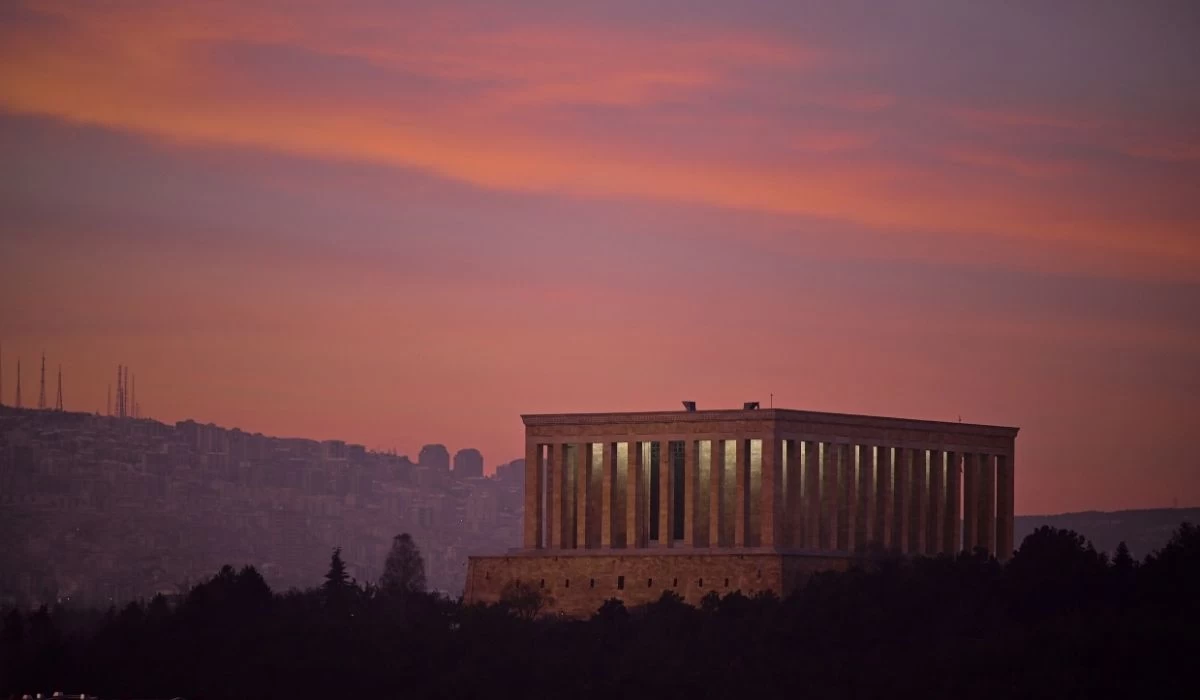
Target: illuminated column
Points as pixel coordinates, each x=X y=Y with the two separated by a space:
x=608 y=487
x=583 y=480
x=635 y=498
x=952 y=526
x=716 y=492
x=770 y=509
x=884 y=498
x=902 y=496
x=812 y=495
x=865 y=523
x=829 y=496
x=937 y=503
x=691 y=476
x=741 y=522
x=987 y=503
x=666 y=499
x=847 y=500
x=620 y=537
x=1005 y=499
x=560 y=495
x=795 y=494
x=534 y=516
x=970 y=501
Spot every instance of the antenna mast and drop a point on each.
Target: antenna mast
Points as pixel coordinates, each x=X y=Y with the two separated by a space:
x=42 y=386
x=58 y=404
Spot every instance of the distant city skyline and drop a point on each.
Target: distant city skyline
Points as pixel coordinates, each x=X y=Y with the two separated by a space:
x=395 y=223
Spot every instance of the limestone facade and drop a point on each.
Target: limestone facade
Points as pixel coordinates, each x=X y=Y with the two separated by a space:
x=575 y=584
x=624 y=490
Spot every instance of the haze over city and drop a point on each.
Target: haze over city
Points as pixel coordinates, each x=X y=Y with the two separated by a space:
x=395 y=225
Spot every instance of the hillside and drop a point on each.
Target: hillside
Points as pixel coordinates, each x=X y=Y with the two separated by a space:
x=1143 y=531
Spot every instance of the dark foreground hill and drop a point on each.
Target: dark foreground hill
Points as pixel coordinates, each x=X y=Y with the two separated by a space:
x=1143 y=531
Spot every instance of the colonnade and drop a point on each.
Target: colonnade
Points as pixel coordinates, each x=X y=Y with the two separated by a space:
x=794 y=494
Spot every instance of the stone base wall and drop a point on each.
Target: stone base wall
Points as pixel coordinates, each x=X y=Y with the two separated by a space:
x=578 y=583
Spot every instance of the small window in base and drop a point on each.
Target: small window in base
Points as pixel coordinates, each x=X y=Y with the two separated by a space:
x=620 y=583
x=568 y=584
x=592 y=583
x=727 y=583
x=649 y=582
x=674 y=583
x=700 y=583
x=543 y=583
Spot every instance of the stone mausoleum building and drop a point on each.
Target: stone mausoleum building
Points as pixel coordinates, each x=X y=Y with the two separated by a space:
x=628 y=505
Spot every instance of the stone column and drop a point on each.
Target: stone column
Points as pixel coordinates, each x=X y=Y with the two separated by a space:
x=902 y=496
x=987 y=503
x=691 y=491
x=865 y=524
x=560 y=495
x=666 y=499
x=795 y=495
x=741 y=523
x=970 y=501
x=952 y=526
x=884 y=504
x=812 y=495
x=534 y=517
x=771 y=510
x=937 y=502
x=608 y=488
x=1005 y=498
x=829 y=496
x=583 y=480
x=848 y=500
x=716 y=492
x=635 y=520
x=920 y=502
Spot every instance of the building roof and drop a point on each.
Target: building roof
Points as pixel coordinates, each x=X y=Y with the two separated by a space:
x=764 y=414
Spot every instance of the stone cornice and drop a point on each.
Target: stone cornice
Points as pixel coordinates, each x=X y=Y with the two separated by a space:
x=780 y=416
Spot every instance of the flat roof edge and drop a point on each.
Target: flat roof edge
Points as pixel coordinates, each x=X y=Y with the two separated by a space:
x=714 y=415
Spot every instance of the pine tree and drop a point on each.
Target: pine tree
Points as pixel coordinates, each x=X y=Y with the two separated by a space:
x=337 y=581
x=404 y=569
x=1122 y=560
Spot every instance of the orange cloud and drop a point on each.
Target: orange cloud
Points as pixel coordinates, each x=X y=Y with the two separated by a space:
x=148 y=71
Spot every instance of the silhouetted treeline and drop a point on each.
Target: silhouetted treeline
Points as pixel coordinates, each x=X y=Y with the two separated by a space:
x=1060 y=620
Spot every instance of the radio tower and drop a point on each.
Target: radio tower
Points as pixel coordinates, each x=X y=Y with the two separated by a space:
x=42 y=387
x=18 y=382
x=58 y=404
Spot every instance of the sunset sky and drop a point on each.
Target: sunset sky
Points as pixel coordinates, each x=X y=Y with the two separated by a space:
x=398 y=223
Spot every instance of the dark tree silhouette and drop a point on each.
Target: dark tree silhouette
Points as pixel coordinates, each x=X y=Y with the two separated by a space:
x=404 y=569
x=1122 y=560
x=338 y=588
x=946 y=627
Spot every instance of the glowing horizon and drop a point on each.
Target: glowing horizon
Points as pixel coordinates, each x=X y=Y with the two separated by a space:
x=395 y=226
